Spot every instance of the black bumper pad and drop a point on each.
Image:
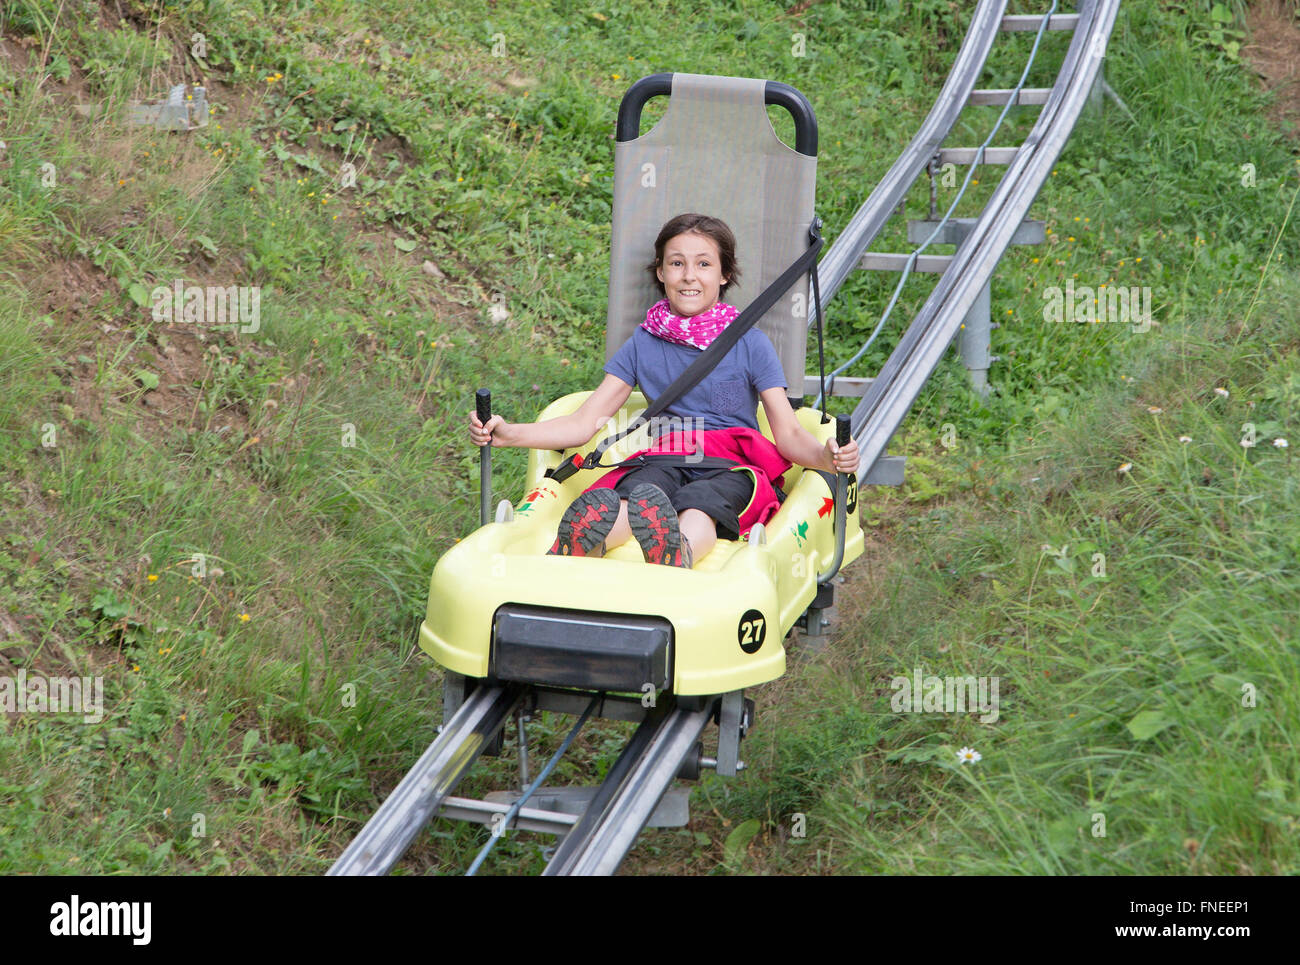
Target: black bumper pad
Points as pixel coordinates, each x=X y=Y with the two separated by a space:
x=574 y=648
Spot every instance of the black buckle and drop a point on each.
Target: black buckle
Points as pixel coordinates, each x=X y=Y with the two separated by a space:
x=565 y=469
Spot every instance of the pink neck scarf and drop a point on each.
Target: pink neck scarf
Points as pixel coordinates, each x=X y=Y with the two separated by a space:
x=696 y=330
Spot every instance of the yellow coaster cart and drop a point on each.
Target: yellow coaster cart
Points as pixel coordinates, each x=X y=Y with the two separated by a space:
x=673 y=649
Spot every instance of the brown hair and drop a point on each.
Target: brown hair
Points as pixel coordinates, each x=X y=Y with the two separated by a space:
x=700 y=224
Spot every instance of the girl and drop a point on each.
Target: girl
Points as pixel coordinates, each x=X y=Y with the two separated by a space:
x=677 y=513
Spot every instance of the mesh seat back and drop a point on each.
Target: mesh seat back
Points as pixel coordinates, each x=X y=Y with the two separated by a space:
x=715 y=153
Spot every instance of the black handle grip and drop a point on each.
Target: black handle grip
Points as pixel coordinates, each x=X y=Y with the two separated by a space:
x=628 y=126
x=483 y=405
x=843 y=430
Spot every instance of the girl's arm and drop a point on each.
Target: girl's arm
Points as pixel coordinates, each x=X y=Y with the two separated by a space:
x=797 y=444
x=563 y=432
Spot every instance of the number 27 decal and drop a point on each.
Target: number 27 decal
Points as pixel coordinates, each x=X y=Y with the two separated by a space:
x=751 y=631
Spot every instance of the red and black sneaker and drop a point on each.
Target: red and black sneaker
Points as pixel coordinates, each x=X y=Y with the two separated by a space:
x=654 y=524
x=586 y=523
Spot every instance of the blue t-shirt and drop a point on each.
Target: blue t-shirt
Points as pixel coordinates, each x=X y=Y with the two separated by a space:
x=727 y=396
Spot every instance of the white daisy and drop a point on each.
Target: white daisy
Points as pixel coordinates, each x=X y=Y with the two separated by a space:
x=1280 y=443
x=968 y=755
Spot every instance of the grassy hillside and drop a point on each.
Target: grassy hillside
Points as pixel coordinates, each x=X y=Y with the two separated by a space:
x=236 y=529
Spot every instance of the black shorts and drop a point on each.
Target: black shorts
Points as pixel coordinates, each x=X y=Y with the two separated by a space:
x=722 y=494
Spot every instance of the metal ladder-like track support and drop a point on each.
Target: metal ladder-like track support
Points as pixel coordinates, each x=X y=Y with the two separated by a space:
x=921 y=348
x=1076 y=85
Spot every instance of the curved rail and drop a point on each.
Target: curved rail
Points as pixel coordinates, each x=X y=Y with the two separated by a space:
x=870 y=219
x=918 y=353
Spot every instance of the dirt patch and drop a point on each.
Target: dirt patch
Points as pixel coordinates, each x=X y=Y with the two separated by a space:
x=69 y=289
x=1273 y=50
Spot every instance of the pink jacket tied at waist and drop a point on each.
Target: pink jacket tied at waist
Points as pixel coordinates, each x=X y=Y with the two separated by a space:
x=746 y=447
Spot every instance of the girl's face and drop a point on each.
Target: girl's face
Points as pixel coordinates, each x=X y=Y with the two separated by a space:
x=692 y=273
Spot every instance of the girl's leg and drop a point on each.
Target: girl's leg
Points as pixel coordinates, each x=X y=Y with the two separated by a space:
x=700 y=530
x=664 y=479
x=622 y=531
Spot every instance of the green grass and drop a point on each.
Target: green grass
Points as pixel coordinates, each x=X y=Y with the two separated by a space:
x=318 y=467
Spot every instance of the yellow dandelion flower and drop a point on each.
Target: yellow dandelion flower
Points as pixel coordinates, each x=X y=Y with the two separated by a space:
x=244 y=618
x=153 y=577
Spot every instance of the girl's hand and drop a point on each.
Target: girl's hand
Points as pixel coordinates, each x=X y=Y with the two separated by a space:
x=842 y=458
x=497 y=430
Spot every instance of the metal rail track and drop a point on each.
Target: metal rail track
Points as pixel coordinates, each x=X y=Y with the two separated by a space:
x=888 y=398
x=413 y=802
x=843 y=255
x=649 y=763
